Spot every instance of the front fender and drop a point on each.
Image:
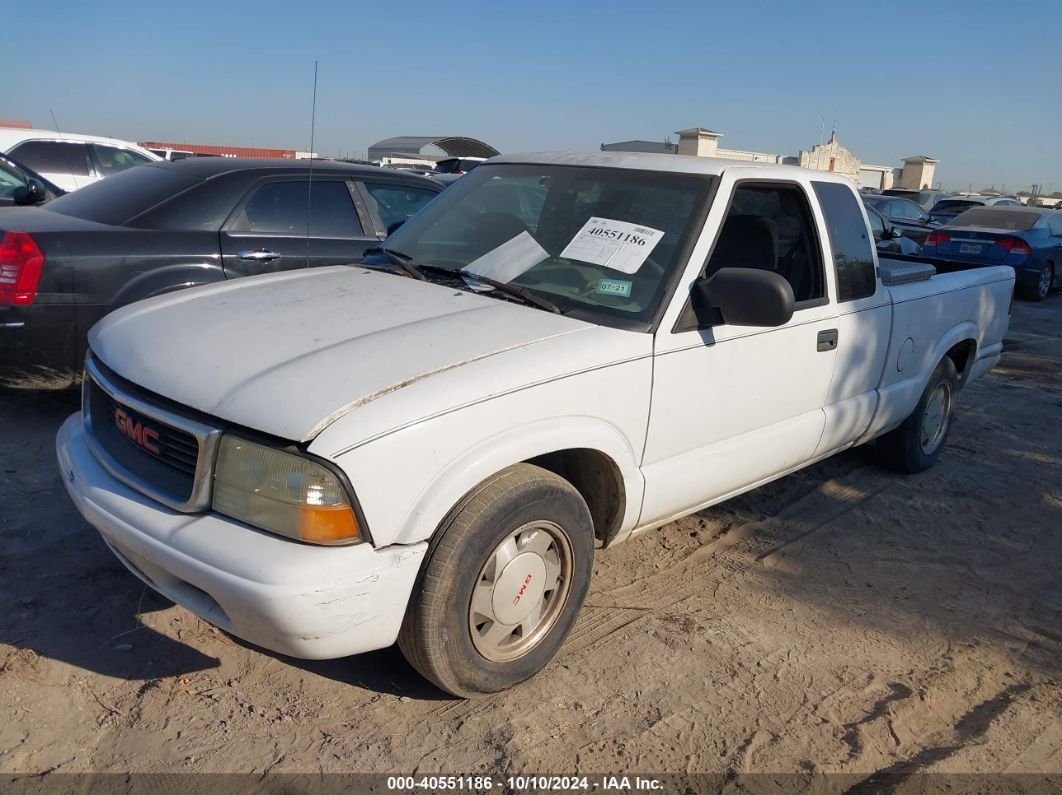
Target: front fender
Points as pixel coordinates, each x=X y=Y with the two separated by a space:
x=409 y=481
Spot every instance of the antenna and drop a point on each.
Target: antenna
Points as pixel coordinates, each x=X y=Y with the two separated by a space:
x=56 y=123
x=309 y=182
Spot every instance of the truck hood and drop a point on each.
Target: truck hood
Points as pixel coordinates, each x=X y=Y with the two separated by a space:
x=288 y=354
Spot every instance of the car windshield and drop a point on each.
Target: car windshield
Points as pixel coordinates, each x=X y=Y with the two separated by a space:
x=991 y=218
x=10 y=180
x=601 y=243
x=115 y=200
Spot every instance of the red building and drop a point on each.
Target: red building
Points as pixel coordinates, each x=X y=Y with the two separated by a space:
x=223 y=151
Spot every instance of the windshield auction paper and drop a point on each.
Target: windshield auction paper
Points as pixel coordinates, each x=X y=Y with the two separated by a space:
x=617 y=245
x=508 y=260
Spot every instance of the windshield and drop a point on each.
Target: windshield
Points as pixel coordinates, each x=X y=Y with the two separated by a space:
x=115 y=200
x=597 y=242
x=991 y=218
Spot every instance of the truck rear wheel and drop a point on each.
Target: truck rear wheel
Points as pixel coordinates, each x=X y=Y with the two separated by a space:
x=916 y=445
x=502 y=583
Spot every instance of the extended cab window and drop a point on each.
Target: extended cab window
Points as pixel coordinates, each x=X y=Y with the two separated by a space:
x=853 y=254
x=769 y=227
x=280 y=208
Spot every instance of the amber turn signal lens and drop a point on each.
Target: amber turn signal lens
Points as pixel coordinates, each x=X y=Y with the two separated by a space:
x=320 y=525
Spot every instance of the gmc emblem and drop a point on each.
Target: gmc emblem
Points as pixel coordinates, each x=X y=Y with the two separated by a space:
x=519 y=595
x=140 y=435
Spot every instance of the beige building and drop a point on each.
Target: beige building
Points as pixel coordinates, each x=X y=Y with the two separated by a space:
x=917 y=171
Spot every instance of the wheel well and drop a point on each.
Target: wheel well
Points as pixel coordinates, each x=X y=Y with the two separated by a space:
x=961 y=356
x=597 y=478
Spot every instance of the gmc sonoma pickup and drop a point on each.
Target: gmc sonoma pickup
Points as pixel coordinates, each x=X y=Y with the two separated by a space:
x=559 y=352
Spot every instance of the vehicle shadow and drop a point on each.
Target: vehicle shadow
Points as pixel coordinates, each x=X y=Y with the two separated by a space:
x=385 y=671
x=70 y=600
x=67 y=597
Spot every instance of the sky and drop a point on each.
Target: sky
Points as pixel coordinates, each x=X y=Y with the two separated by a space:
x=974 y=83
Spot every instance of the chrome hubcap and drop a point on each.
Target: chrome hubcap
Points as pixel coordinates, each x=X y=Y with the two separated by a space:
x=935 y=418
x=1045 y=281
x=520 y=591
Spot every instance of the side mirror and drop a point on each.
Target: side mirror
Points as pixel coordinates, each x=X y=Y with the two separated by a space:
x=742 y=297
x=392 y=228
x=32 y=192
x=895 y=233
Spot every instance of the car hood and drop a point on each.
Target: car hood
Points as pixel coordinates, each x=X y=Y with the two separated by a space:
x=288 y=354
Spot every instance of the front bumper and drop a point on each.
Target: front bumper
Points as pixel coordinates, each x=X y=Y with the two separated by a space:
x=296 y=599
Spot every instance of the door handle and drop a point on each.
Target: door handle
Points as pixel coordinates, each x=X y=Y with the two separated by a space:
x=260 y=255
x=827 y=340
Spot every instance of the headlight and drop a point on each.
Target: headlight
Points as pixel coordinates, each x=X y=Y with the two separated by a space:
x=283 y=493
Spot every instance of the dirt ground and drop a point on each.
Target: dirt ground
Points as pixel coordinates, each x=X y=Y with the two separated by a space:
x=843 y=619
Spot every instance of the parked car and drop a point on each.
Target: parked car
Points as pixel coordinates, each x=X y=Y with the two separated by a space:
x=451 y=169
x=924 y=198
x=326 y=461
x=172 y=154
x=948 y=210
x=890 y=239
x=167 y=226
x=905 y=214
x=24 y=186
x=69 y=160
x=1028 y=239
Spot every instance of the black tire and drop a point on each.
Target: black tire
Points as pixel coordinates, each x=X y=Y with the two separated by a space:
x=902 y=449
x=436 y=635
x=1038 y=291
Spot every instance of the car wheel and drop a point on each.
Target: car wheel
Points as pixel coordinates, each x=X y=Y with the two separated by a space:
x=1042 y=288
x=916 y=445
x=502 y=583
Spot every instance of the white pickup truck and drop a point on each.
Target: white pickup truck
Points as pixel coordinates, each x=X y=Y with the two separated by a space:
x=560 y=351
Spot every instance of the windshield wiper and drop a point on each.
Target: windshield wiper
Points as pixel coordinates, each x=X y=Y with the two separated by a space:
x=521 y=293
x=400 y=260
x=404 y=262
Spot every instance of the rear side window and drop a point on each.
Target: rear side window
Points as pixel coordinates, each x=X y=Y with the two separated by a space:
x=394 y=203
x=280 y=208
x=853 y=253
x=55 y=157
x=1054 y=223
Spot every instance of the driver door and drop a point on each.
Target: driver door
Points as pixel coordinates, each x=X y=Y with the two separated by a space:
x=735 y=406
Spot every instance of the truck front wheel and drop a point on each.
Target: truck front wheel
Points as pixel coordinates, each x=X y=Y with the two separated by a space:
x=916 y=445
x=502 y=583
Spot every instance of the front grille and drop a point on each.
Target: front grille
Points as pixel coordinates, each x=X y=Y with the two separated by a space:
x=149 y=450
x=148 y=447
